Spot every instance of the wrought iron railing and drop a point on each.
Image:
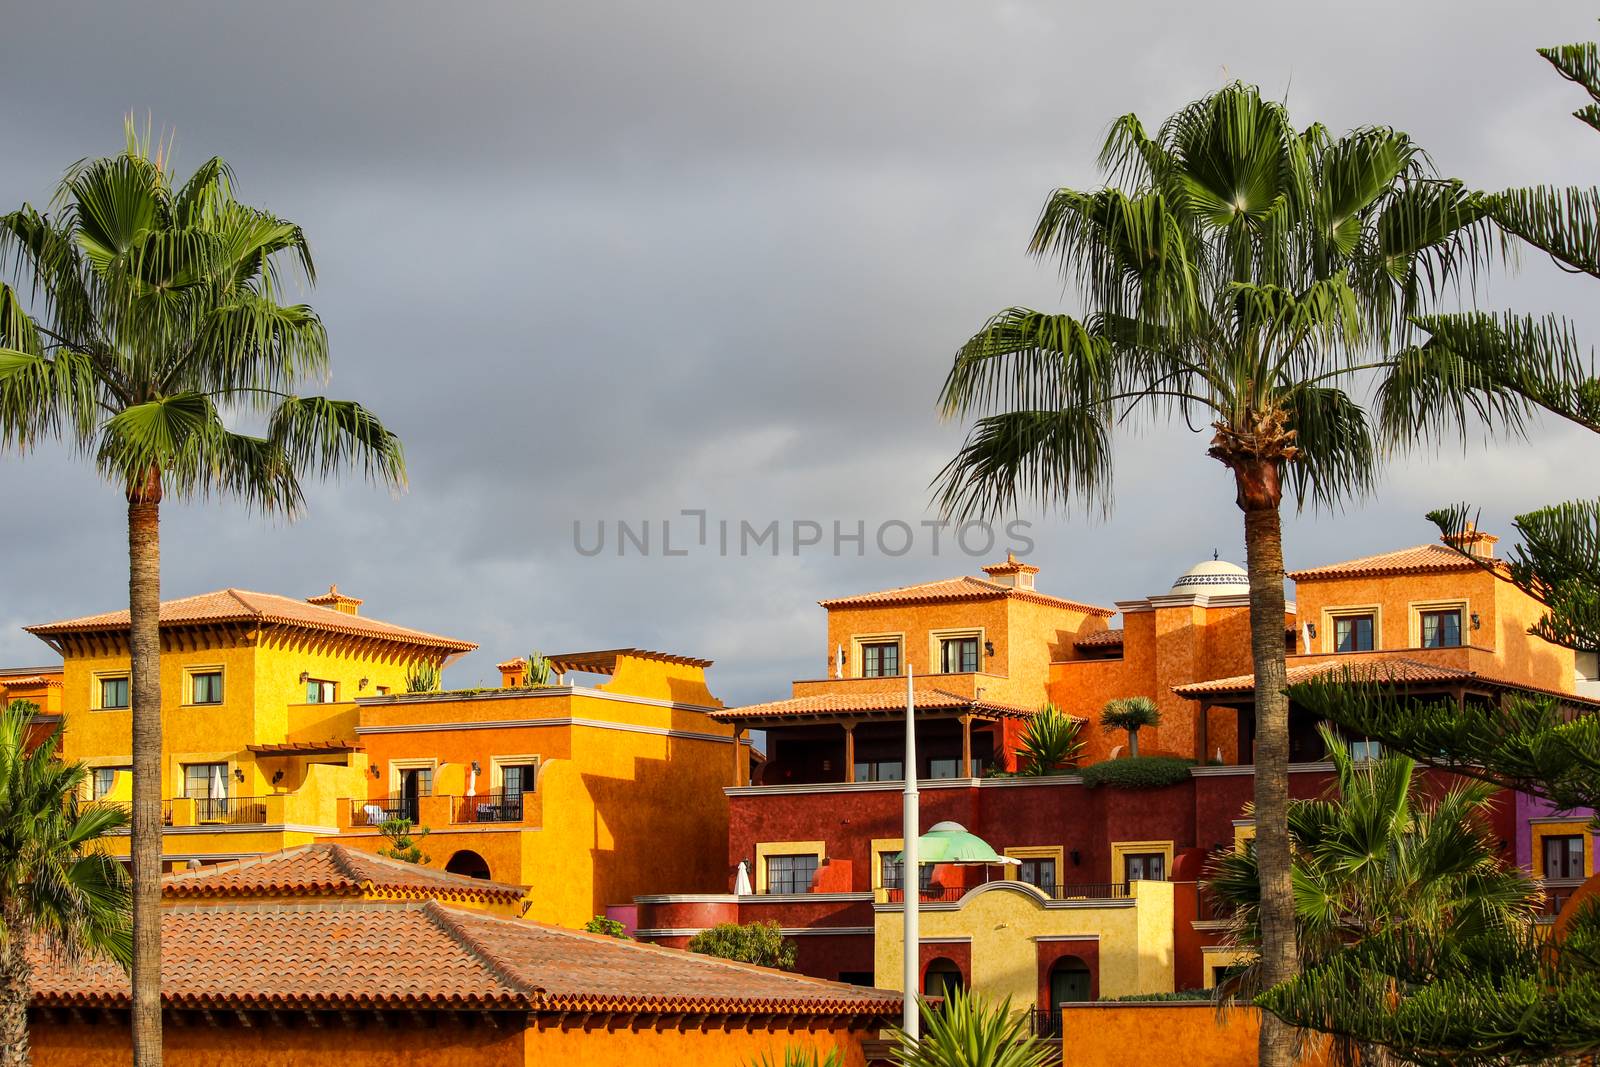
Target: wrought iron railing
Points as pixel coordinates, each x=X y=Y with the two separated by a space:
x=492 y=807
x=127 y=806
x=231 y=810
x=1046 y=1022
x=936 y=894
x=375 y=811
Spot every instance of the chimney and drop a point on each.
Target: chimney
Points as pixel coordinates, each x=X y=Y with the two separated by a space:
x=1472 y=541
x=346 y=605
x=1012 y=573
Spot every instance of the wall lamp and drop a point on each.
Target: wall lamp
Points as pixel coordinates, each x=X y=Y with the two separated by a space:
x=363 y=683
x=475 y=768
x=1311 y=630
x=238 y=775
x=374 y=769
x=277 y=776
x=988 y=648
x=1476 y=621
x=305 y=676
x=1077 y=857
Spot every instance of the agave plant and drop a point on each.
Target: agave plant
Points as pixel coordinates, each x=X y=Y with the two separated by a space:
x=968 y=1030
x=1131 y=714
x=1051 y=741
x=536 y=670
x=422 y=677
x=800 y=1056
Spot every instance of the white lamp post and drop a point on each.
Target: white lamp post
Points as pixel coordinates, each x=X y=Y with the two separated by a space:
x=911 y=872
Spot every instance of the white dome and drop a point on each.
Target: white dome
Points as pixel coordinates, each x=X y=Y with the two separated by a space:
x=1213 y=577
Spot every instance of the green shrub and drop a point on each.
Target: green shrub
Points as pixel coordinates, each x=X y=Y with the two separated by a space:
x=800 y=1056
x=600 y=924
x=1138 y=772
x=1181 y=994
x=403 y=840
x=761 y=943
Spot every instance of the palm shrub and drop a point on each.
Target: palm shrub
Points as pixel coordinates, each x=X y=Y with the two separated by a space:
x=1131 y=714
x=1238 y=273
x=967 y=1030
x=1378 y=865
x=157 y=307
x=58 y=888
x=1051 y=740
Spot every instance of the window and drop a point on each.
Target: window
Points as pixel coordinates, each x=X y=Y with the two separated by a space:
x=205 y=687
x=321 y=692
x=102 y=779
x=1144 y=866
x=1563 y=856
x=1038 y=872
x=888 y=770
x=1441 y=629
x=516 y=779
x=958 y=655
x=944 y=768
x=205 y=782
x=114 y=692
x=891 y=872
x=1352 y=633
x=1365 y=749
x=790 y=874
x=880 y=659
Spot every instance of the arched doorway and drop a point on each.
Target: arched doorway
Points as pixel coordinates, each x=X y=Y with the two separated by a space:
x=941 y=976
x=1069 y=981
x=469 y=863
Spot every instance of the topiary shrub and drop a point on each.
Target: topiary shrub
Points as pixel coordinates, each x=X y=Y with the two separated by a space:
x=1137 y=772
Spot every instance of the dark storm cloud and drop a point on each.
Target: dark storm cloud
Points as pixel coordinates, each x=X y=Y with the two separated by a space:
x=601 y=261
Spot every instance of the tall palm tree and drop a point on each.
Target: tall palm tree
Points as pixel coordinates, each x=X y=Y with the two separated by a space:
x=1237 y=273
x=57 y=887
x=1377 y=858
x=158 y=308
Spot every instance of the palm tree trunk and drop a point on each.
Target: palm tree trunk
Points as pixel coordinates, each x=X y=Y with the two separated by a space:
x=144 y=644
x=1133 y=744
x=1259 y=496
x=14 y=982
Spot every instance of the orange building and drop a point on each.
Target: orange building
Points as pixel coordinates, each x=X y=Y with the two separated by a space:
x=39 y=686
x=324 y=955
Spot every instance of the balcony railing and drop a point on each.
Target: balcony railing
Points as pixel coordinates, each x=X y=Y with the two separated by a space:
x=491 y=807
x=234 y=811
x=127 y=806
x=1557 y=891
x=936 y=894
x=1046 y=1022
x=376 y=811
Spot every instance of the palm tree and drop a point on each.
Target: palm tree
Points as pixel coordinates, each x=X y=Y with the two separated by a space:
x=57 y=887
x=1238 y=273
x=157 y=308
x=966 y=1030
x=1050 y=741
x=1131 y=714
x=1377 y=859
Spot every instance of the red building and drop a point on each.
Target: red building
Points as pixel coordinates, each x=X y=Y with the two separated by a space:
x=1102 y=898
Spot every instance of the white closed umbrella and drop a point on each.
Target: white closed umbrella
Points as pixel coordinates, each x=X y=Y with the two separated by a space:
x=741 y=881
x=472 y=780
x=219 y=783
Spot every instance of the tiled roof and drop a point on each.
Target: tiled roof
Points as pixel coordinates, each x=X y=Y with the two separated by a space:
x=1109 y=638
x=604 y=661
x=1388 y=670
x=963 y=588
x=26 y=681
x=424 y=953
x=325 y=868
x=1413 y=560
x=929 y=698
x=239 y=605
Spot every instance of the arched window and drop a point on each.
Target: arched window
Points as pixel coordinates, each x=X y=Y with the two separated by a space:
x=941 y=977
x=468 y=863
x=1069 y=981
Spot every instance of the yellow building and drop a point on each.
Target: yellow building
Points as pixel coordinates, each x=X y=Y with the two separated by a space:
x=601 y=786
x=257 y=724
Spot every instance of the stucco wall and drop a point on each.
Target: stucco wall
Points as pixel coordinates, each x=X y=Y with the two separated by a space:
x=1111 y=1035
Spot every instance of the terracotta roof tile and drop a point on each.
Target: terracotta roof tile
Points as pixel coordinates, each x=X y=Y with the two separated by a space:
x=381 y=954
x=963 y=588
x=1385 y=669
x=239 y=605
x=1413 y=560
x=1109 y=638
x=325 y=868
x=605 y=660
x=929 y=697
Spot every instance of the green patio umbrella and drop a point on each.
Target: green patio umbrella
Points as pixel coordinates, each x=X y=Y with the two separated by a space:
x=949 y=842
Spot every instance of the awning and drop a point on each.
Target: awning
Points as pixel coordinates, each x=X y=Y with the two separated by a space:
x=332 y=747
x=949 y=842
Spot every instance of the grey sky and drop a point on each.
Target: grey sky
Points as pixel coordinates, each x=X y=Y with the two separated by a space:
x=608 y=260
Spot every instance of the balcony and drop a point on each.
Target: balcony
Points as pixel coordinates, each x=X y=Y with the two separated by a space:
x=949 y=894
x=1557 y=891
x=493 y=807
x=231 y=811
